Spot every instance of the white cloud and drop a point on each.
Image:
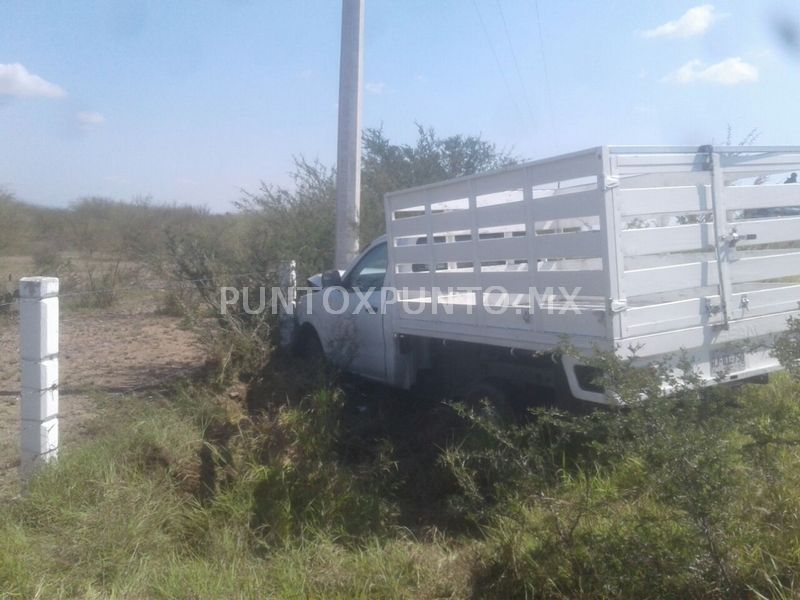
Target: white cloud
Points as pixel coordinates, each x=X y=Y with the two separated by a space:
x=376 y=88
x=695 y=21
x=90 y=118
x=727 y=72
x=16 y=80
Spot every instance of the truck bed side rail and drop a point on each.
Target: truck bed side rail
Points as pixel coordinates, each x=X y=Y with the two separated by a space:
x=526 y=236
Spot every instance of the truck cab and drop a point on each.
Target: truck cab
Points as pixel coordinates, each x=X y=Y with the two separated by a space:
x=346 y=314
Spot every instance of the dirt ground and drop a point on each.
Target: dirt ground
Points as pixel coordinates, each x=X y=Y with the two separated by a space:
x=111 y=351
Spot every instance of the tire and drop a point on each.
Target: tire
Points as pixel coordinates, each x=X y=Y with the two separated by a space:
x=489 y=399
x=308 y=346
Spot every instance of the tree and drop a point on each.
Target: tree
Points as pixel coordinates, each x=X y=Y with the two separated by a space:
x=294 y=224
x=299 y=224
x=15 y=225
x=387 y=167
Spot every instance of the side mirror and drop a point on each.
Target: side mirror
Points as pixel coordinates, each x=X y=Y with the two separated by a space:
x=331 y=278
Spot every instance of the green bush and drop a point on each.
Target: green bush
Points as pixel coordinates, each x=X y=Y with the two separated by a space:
x=787 y=348
x=693 y=495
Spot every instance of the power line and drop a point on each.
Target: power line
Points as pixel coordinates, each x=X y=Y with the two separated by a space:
x=497 y=60
x=516 y=64
x=546 y=71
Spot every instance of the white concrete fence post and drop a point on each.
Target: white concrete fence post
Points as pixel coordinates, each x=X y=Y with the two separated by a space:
x=38 y=308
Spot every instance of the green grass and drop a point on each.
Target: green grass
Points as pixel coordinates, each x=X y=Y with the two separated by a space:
x=186 y=496
x=123 y=516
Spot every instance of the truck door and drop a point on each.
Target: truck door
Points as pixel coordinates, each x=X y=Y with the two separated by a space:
x=363 y=285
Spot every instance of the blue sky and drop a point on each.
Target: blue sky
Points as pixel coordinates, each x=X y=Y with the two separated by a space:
x=192 y=101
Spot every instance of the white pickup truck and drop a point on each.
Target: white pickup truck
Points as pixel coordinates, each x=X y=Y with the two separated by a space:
x=479 y=280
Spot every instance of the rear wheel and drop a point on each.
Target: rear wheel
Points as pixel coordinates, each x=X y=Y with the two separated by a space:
x=489 y=399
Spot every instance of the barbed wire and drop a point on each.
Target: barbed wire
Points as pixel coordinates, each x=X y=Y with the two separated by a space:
x=155 y=387
x=151 y=387
x=181 y=285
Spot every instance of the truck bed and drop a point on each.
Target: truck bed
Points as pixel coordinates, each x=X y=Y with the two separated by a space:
x=660 y=248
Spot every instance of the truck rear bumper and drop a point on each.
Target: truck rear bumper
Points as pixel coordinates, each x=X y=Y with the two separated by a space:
x=725 y=363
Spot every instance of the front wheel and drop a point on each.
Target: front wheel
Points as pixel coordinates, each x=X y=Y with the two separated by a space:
x=308 y=345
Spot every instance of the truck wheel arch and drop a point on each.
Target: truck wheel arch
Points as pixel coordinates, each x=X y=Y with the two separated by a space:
x=493 y=392
x=308 y=343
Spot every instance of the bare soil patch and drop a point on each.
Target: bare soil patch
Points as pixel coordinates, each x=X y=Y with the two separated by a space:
x=114 y=351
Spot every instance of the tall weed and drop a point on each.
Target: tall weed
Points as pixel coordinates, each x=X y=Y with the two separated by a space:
x=688 y=495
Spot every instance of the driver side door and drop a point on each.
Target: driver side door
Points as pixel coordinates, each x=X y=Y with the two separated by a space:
x=363 y=285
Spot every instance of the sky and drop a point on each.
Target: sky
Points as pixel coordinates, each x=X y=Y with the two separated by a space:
x=195 y=101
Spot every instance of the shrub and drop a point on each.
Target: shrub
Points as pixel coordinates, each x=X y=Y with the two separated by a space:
x=691 y=495
x=787 y=348
x=278 y=224
x=47 y=260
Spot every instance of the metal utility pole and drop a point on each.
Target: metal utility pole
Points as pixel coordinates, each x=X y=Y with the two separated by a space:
x=348 y=164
